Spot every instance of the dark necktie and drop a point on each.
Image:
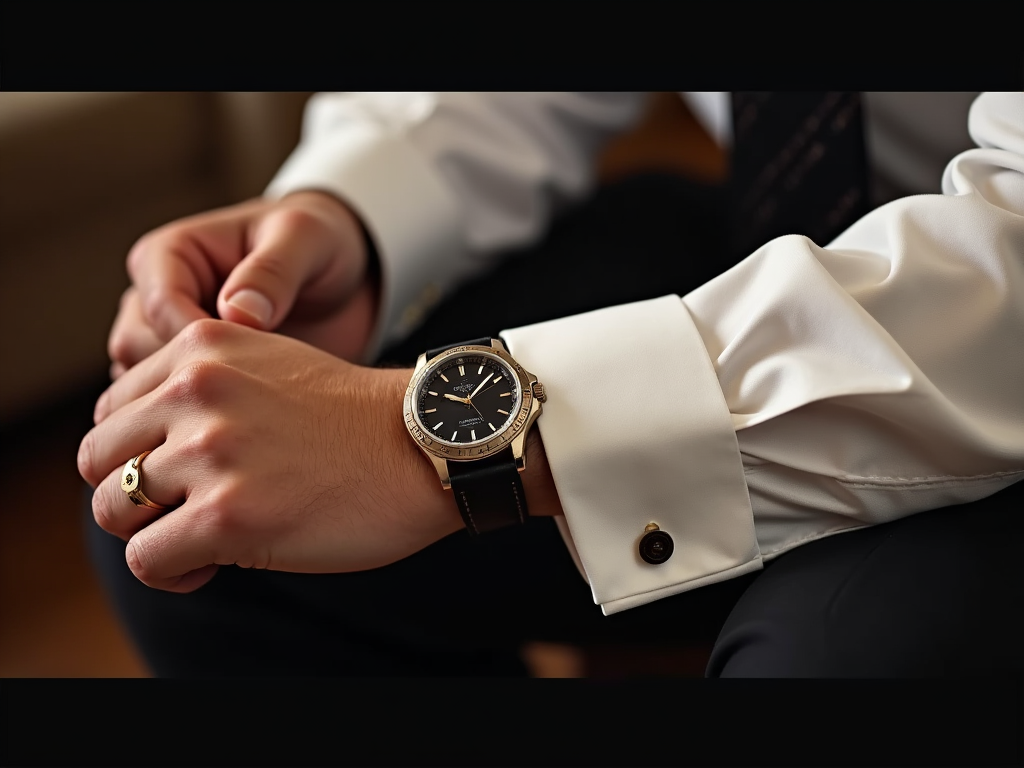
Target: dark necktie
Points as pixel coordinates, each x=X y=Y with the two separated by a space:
x=798 y=166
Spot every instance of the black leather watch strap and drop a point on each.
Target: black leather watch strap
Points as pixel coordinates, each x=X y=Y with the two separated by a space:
x=484 y=342
x=489 y=492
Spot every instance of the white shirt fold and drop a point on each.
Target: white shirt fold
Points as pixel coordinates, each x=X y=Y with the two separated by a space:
x=812 y=389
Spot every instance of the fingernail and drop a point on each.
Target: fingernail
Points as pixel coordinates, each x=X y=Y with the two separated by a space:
x=253 y=303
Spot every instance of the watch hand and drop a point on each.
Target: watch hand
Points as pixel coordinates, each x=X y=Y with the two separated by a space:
x=467 y=401
x=486 y=378
x=478 y=411
x=492 y=385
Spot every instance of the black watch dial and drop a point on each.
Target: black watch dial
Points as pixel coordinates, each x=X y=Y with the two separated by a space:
x=467 y=399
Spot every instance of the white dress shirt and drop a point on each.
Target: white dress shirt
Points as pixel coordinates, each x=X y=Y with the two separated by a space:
x=811 y=389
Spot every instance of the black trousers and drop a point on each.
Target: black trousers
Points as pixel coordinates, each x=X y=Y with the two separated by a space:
x=938 y=593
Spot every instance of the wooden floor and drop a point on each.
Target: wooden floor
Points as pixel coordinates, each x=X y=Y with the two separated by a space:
x=54 y=619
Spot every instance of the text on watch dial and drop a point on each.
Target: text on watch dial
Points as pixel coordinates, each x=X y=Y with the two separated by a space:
x=467 y=400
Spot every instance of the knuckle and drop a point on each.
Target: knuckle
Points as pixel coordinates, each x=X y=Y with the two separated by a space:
x=155 y=307
x=210 y=445
x=198 y=382
x=201 y=335
x=86 y=451
x=225 y=509
x=102 y=510
x=137 y=253
x=212 y=441
x=269 y=269
x=294 y=218
x=99 y=411
x=140 y=558
x=120 y=346
x=158 y=239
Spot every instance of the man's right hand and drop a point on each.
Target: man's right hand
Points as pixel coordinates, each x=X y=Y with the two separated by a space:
x=299 y=265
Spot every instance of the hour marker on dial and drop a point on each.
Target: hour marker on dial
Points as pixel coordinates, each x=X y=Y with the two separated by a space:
x=467 y=387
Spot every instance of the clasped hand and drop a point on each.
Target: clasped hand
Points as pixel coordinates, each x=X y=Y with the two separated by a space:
x=299 y=266
x=273 y=454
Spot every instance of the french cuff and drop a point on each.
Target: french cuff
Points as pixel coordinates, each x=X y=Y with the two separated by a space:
x=407 y=210
x=636 y=430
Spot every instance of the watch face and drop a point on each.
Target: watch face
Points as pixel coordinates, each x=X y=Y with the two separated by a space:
x=467 y=399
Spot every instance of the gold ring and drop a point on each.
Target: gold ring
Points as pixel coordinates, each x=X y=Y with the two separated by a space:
x=131 y=483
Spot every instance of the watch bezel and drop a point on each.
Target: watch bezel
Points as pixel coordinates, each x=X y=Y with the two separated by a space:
x=529 y=407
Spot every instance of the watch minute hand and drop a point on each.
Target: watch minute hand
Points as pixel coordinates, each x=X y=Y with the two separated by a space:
x=486 y=379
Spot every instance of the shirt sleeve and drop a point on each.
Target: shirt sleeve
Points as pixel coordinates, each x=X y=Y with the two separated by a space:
x=445 y=182
x=805 y=392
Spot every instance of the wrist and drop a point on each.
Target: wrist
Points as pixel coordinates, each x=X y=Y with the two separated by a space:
x=421 y=491
x=541 y=494
x=418 y=489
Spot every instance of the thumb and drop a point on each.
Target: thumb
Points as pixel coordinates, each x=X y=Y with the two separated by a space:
x=289 y=252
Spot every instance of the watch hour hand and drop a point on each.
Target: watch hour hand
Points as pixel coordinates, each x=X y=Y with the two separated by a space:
x=458 y=399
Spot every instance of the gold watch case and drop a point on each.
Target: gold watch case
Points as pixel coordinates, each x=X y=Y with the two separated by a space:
x=513 y=433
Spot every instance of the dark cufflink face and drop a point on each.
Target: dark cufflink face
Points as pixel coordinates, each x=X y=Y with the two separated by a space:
x=656 y=547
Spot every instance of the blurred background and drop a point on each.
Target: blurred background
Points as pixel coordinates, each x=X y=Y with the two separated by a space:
x=82 y=177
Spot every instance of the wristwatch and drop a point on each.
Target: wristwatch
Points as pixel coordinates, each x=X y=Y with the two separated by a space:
x=469 y=407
